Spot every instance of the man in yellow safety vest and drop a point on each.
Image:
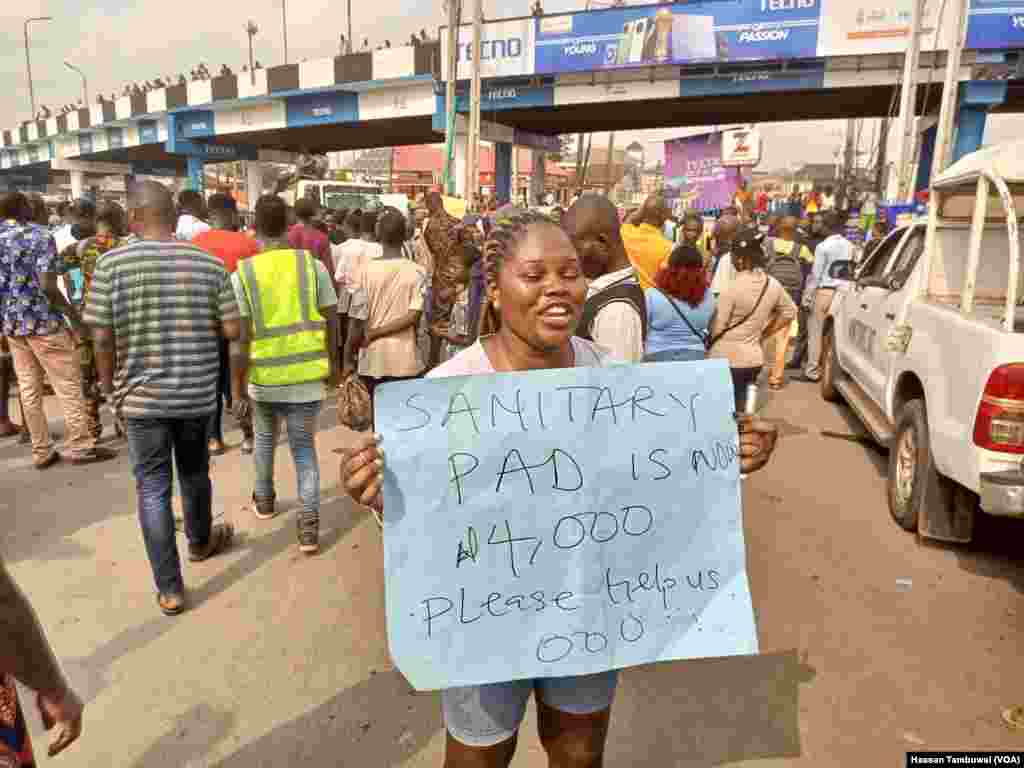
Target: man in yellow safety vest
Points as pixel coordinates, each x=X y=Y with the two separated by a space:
x=287 y=352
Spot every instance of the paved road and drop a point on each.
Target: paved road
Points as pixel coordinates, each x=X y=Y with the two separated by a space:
x=282 y=660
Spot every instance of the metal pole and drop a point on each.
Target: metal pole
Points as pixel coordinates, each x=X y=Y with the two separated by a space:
x=883 y=158
x=28 y=62
x=251 y=29
x=950 y=92
x=452 y=65
x=85 y=83
x=611 y=161
x=473 y=148
x=899 y=180
x=284 y=27
x=848 y=163
x=348 y=40
x=28 y=68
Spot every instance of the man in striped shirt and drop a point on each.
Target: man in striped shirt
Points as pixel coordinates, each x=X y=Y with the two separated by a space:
x=163 y=307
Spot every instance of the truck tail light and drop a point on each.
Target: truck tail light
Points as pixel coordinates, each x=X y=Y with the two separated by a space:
x=999 y=425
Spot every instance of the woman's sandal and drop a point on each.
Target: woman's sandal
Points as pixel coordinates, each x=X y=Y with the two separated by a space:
x=220 y=539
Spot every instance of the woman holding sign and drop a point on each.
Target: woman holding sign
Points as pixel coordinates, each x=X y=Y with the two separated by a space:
x=535 y=291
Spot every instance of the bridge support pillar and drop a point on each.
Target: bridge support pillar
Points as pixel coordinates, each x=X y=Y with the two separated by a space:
x=77 y=184
x=927 y=155
x=975 y=99
x=253 y=183
x=196 y=176
x=503 y=172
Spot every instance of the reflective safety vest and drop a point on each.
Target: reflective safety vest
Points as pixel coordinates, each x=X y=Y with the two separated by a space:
x=289 y=339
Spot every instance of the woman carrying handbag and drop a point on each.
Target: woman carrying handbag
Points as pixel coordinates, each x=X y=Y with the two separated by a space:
x=679 y=309
x=753 y=307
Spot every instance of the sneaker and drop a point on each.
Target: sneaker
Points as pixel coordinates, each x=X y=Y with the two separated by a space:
x=9 y=429
x=265 y=509
x=48 y=462
x=95 y=456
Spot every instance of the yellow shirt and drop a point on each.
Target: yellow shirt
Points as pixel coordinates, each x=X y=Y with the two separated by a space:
x=647 y=249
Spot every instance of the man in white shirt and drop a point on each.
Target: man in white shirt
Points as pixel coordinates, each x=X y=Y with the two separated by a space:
x=387 y=302
x=615 y=315
x=354 y=253
x=191 y=216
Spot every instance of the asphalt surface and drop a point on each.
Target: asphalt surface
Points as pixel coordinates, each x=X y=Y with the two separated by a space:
x=873 y=643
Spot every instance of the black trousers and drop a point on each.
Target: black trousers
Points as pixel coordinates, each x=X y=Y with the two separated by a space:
x=216 y=429
x=799 y=345
x=741 y=379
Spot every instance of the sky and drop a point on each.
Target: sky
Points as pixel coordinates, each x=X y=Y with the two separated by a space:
x=117 y=41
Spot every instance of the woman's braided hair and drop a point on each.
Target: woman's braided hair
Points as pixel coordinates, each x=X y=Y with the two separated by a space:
x=510 y=226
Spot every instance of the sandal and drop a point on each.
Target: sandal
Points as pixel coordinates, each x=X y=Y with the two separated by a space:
x=171 y=605
x=775 y=386
x=220 y=539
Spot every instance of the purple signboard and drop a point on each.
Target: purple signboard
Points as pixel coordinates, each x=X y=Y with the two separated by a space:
x=694 y=174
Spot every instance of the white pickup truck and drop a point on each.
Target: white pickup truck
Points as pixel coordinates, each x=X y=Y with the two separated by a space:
x=926 y=346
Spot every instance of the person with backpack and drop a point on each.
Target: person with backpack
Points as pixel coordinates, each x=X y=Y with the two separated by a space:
x=787 y=260
x=615 y=313
x=679 y=308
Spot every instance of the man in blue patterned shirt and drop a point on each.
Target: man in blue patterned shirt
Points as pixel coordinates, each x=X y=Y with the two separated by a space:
x=34 y=317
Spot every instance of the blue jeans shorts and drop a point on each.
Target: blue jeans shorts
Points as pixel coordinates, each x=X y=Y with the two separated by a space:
x=485 y=715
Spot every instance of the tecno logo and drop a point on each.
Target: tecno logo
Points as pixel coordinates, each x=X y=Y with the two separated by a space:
x=580 y=49
x=786 y=5
x=764 y=35
x=509 y=48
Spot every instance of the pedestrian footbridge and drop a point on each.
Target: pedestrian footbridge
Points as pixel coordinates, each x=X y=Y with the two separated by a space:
x=702 y=63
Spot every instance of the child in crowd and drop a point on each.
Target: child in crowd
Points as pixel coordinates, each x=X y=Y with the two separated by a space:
x=461 y=331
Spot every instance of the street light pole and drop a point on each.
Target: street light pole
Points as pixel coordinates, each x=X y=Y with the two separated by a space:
x=348 y=40
x=284 y=27
x=85 y=83
x=28 y=62
x=251 y=29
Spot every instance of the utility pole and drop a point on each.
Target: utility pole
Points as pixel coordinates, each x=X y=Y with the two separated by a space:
x=950 y=92
x=883 y=158
x=251 y=29
x=348 y=40
x=473 y=144
x=611 y=164
x=899 y=182
x=85 y=83
x=284 y=27
x=848 y=164
x=454 y=17
x=28 y=62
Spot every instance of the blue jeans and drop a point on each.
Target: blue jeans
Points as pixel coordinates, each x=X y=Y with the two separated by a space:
x=155 y=445
x=300 y=419
x=678 y=355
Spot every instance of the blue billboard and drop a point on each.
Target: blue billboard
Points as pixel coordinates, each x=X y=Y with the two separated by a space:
x=995 y=24
x=698 y=32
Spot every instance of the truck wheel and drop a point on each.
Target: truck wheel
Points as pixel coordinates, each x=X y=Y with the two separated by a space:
x=830 y=370
x=911 y=467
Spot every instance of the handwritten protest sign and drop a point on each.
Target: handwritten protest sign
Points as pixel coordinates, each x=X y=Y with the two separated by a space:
x=562 y=522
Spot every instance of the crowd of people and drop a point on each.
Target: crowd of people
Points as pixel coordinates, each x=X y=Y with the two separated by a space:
x=178 y=313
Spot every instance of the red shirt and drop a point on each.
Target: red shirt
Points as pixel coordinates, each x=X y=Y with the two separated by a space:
x=229 y=247
x=313 y=240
